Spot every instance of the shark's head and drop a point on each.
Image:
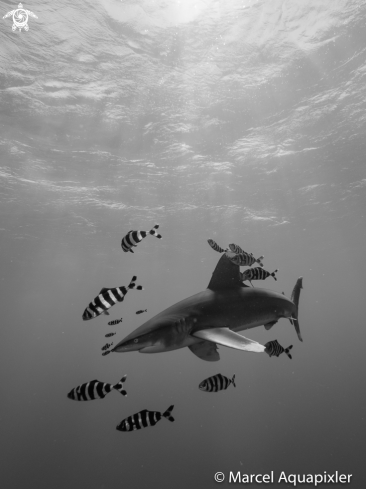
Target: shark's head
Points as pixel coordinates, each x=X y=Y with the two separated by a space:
x=163 y=332
x=135 y=342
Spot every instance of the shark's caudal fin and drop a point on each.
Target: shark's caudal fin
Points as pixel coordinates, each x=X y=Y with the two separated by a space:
x=233 y=380
x=227 y=337
x=168 y=412
x=205 y=350
x=225 y=276
x=295 y=296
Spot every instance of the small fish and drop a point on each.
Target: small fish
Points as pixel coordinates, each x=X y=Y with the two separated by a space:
x=106 y=346
x=216 y=383
x=236 y=248
x=132 y=238
x=141 y=311
x=95 y=390
x=256 y=274
x=108 y=298
x=244 y=259
x=274 y=348
x=115 y=321
x=106 y=353
x=143 y=419
x=215 y=246
x=109 y=334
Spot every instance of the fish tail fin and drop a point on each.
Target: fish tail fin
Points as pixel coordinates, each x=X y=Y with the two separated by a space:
x=132 y=284
x=273 y=274
x=233 y=380
x=119 y=386
x=259 y=260
x=295 y=296
x=287 y=351
x=154 y=233
x=167 y=413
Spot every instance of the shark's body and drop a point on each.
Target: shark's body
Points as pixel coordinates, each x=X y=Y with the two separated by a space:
x=213 y=317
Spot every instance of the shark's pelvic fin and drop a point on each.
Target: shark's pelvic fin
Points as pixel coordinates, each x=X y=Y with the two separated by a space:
x=225 y=276
x=226 y=337
x=269 y=325
x=295 y=296
x=205 y=350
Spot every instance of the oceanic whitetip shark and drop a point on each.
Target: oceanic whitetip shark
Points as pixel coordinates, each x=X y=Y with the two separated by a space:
x=213 y=317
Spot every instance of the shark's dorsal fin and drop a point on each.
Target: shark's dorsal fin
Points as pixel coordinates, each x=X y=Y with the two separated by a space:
x=225 y=276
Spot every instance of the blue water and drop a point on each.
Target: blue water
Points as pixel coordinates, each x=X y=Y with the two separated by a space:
x=240 y=121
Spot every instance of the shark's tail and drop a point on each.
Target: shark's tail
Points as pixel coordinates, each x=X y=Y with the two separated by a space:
x=154 y=233
x=273 y=274
x=233 y=380
x=295 y=296
x=167 y=413
x=287 y=351
x=259 y=260
x=119 y=386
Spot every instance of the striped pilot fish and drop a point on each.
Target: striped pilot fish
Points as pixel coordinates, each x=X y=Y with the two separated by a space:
x=235 y=248
x=215 y=246
x=216 y=383
x=133 y=238
x=106 y=353
x=114 y=322
x=256 y=274
x=244 y=259
x=274 y=348
x=141 y=311
x=95 y=390
x=109 y=334
x=106 y=346
x=143 y=419
x=108 y=298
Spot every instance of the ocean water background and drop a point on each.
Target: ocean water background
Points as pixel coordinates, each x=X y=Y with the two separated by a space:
x=240 y=121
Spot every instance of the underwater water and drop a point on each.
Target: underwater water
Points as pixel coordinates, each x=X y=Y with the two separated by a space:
x=240 y=121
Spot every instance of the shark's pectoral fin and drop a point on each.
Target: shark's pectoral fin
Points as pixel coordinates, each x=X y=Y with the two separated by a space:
x=227 y=337
x=205 y=350
x=269 y=325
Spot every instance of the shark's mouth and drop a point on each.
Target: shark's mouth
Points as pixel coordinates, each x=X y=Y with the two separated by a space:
x=153 y=349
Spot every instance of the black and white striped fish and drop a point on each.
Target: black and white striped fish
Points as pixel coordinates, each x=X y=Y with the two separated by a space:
x=141 y=311
x=256 y=274
x=115 y=321
x=143 y=419
x=106 y=353
x=106 y=346
x=236 y=248
x=274 y=348
x=215 y=246
x=109 y=334
x=216 y=383
x=133 y=238
x=243 y=259
x=95 y=390
x=108 y=298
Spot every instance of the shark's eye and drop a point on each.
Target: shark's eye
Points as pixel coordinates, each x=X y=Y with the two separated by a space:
x=135 y=340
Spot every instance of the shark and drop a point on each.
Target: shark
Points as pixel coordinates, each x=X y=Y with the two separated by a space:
x=214 y=316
